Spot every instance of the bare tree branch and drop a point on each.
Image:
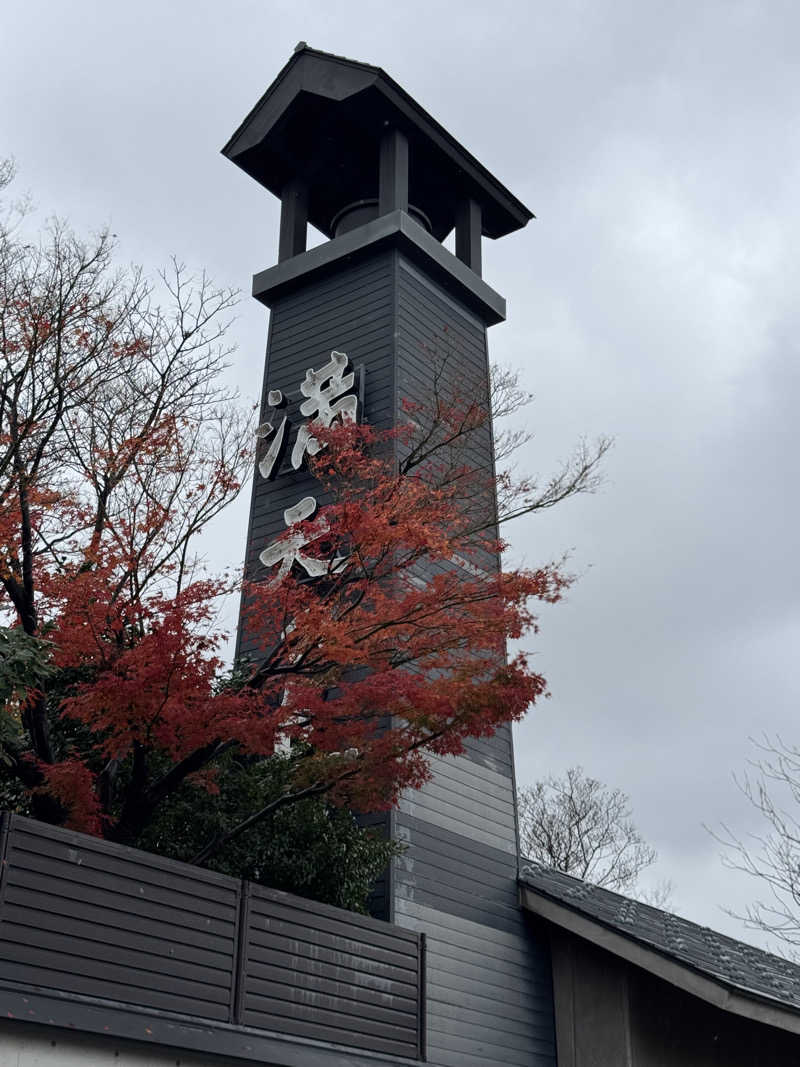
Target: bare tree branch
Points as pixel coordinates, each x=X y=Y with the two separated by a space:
x=579 y=826
x=772 y=856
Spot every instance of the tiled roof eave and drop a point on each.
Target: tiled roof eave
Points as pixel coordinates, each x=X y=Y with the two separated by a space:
x=728 y=992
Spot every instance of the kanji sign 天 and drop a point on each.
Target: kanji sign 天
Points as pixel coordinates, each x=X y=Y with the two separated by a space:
x=289 y=550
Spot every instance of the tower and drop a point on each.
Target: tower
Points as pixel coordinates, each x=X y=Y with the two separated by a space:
x=346 y=149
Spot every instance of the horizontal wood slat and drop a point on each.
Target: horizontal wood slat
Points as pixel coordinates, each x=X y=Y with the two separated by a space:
x=311 y=918
x=126 y=883
x=346 y=981
x=90 y=919
x=94 y=855
x=64 y=892
x=318 y=1031
x=318 y=974
x=338 y=956
x=51 y=910
x=296 y=936
x=489 y=993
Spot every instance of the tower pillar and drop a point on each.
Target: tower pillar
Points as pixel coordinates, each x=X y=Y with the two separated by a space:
x=349 y=151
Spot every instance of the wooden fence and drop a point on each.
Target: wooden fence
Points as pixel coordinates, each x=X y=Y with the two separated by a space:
x=92 y=919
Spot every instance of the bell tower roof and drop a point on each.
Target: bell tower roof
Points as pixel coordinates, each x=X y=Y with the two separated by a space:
x=322 y=122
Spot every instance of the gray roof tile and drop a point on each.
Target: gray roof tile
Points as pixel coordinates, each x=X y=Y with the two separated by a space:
x=750 y=970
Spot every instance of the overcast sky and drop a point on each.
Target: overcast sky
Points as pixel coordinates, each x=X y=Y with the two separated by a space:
x=654 y=299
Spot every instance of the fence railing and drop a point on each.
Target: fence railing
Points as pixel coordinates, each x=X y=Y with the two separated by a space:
x=93 y=919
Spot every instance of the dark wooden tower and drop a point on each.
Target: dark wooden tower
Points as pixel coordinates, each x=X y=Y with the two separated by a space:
x=346 y=149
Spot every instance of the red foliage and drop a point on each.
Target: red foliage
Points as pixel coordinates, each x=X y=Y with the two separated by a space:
x=394 y=654
x=401 y=651
x=71 y=783
x=151 y=667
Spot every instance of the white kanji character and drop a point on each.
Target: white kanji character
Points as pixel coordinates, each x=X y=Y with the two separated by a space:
x=274 y=399
x=288 y=550
x=321 y=387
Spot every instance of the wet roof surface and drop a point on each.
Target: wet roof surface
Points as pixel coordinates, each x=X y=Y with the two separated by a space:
x=751 y=970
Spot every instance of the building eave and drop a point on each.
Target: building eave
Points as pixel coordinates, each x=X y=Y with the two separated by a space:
x=718 y=992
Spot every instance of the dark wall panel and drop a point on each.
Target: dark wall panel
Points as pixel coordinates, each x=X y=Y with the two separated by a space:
x=610 y=1011
x=312 y=973
x=349 y=312
x=489 y=983
x=495 y=753
x=87 y=917
x=451 y=801
x=670 y=1028
x=489 y=991
x=443 y=870
x=96 y=922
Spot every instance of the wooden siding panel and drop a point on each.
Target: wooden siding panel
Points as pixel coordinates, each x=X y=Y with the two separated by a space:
x=494 y=914
x=468 y=798
x=337 y=939
x=150 y=965
x=62 y=894
x=456 y=874
x=83 y=917
x=445 y=1057
x=86 y=919
x=157 y=880
x=326 y=1031
x=458 y=867
x=458 y=992
x=365 y=987
x=459 y=846
x=493 y=973
x=495 y=753
x=475 y=938
x=499 y=833
x=502 y=1015
x=122 y=881
x=485 y=782
x=488 y=980
x=275 y=906
x=323 y=1000
x=462 y=1043
x=352 y=982
x=447 y=823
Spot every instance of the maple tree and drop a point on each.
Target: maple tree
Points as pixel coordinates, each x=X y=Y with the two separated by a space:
x=118 y=444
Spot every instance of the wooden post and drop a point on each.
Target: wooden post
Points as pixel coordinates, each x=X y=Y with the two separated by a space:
x=239 y=975
x=468 y=233
x=393 y=174
x=294 y=219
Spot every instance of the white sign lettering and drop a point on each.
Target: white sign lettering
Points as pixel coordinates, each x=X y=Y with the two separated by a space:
x=322 y=387
x=289 y=550
x=265 y=430
x=328 y=398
